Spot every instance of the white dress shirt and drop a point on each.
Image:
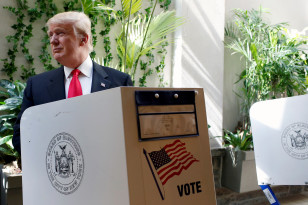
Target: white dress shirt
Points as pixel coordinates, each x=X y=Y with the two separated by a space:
x=85 y=76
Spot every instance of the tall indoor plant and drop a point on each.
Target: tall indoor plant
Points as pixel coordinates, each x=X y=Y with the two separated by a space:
x=275 y=65
x=275 y=61
x=140 y=33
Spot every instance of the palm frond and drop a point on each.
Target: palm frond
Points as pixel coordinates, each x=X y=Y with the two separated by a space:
x=136 y=6
x=162 y=25
x=95 y=7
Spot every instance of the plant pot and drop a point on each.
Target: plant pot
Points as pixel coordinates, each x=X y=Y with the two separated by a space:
x=239 y=173
x=11 y=188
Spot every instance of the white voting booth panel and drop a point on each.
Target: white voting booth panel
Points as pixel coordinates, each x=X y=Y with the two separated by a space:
x=113 y=147
x=280 y=136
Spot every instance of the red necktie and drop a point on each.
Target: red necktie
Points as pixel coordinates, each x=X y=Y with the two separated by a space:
x=75 y=86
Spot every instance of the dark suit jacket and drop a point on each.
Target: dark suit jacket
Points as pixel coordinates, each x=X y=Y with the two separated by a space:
x=49 y=87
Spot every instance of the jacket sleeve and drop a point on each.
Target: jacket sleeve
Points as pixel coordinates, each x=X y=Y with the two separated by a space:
x=26 y=103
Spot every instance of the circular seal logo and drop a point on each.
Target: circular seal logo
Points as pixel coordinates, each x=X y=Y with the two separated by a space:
x=64 y=163
x=295 y=140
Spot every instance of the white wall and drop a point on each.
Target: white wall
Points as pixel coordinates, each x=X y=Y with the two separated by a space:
x=198 y=60
x=294 y=12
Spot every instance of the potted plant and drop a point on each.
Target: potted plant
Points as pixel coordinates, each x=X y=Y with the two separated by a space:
x=10 y=178
x=239 y=169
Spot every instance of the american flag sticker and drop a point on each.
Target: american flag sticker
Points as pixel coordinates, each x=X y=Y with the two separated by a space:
x=168 y=162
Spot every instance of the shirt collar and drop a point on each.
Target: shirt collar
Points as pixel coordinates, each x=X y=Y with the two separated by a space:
x=86 y=68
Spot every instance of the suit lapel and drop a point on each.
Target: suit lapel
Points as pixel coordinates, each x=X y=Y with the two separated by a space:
x=56 y=86
x=100 y=79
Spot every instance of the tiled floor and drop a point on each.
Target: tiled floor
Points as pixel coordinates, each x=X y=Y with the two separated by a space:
x=286 y=196
x=299 y=199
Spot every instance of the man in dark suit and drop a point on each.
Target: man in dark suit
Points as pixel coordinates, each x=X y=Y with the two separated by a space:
x=71 y=42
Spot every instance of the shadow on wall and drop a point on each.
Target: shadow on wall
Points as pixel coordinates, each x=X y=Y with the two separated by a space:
x=202 y=57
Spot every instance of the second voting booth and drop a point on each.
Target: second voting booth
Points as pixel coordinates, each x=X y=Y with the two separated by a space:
x=280 y=136
x=137 y=146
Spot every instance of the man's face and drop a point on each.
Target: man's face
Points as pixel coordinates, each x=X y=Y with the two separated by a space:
x=66 y=47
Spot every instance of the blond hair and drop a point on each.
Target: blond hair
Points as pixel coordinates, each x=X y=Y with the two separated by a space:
x=80 y=21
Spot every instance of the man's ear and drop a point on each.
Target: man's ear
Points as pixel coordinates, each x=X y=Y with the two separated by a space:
x=84 y=39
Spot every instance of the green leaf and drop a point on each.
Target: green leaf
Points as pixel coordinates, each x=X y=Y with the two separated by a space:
x=5 y=139
x=6 y=84
x=7 y=116
x=4 y=93
x=254 y=52
x=6 y=107
x=14 y=101
x=7 y=151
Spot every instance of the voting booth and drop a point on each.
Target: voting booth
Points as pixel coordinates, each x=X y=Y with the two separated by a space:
x=280 y=137
x=126 y=145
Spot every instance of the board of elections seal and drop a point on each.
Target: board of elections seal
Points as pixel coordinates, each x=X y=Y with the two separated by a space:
x=64 y=163
x=295 y=140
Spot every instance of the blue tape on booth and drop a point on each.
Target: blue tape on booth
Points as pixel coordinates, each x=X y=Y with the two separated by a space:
x=270 y=194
